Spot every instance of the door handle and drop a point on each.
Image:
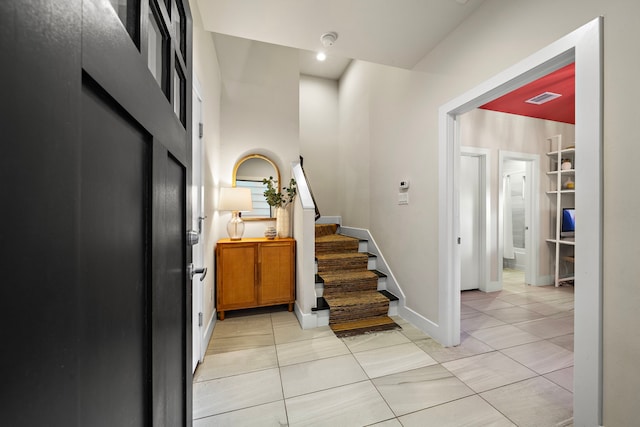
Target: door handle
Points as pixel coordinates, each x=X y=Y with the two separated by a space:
x=193 y=271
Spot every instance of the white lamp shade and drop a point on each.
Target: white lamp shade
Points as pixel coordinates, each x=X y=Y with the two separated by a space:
x=235 y=199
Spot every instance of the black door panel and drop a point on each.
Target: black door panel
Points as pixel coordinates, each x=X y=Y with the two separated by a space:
x=114 y=246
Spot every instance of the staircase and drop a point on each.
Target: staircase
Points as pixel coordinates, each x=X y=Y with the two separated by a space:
x=349 y=286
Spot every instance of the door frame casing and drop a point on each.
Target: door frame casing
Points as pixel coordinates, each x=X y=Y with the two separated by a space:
x=583 y=46
x=199 y=347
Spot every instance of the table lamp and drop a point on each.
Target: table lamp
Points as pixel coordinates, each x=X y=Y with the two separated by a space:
x=235 y=200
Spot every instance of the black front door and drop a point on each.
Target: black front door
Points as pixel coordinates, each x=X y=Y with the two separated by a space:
x=95 y=303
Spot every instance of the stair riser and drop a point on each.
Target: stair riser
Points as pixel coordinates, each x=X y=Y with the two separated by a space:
x=393 y=310
x=320 y=287
x=327 y=266
x=325 y=229
x=360 y=287
x=336 y=247
x=351 y=286
x=346 y=313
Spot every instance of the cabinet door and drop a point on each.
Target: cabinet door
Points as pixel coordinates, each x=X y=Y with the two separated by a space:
x=276 y=266
x=236 y=276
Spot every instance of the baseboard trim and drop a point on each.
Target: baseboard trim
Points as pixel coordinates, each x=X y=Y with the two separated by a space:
x=544 y=281
x=421 y=322
x=492 y=286
x=309 y=320
x=208 y=332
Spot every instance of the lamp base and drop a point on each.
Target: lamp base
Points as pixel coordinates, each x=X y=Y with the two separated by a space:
x=235 y=227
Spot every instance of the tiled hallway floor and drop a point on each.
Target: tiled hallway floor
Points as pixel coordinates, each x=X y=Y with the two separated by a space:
x=514 y=367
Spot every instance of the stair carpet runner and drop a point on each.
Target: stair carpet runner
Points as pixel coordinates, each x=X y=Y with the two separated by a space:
x=350 y=288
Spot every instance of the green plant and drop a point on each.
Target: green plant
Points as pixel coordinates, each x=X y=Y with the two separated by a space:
x=276 y=198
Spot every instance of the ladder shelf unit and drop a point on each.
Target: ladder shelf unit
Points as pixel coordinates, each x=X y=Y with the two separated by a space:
x=561 y=192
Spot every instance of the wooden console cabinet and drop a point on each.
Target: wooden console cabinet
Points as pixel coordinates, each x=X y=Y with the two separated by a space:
x=254 y=272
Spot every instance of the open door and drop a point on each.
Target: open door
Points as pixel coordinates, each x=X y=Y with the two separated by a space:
x=471 y=235
x=98 y=174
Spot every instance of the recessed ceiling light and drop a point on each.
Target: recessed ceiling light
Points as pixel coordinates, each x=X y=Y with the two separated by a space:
x=321 y=56
x=542 y=98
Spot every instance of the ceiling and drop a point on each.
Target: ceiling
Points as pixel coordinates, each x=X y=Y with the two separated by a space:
x=561 y=109
x=398 y=33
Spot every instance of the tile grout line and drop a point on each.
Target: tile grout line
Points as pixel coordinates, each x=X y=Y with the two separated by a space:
x=372 y=383
x=275 y=347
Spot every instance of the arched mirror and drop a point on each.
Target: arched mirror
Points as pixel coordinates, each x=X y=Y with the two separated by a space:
x=249 y=172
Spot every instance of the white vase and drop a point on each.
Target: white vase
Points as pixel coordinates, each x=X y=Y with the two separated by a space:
x=283 y=221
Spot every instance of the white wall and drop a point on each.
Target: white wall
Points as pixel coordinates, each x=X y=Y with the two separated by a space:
x=399 y=130
x=319 y=140
x=383 y=122
x=499 y=131
x=205 y=67
x=353 y=153
x=259 y=110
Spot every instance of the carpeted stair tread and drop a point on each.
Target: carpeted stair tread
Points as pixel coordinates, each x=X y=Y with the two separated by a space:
x=335 y=243
x=349 y=281
x=350 y=306
x=328 y=277
x=355 y=298
x=342 y=261
x=361 y=326
x=326 y=229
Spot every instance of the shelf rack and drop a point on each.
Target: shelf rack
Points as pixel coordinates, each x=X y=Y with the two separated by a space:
x=561 y=197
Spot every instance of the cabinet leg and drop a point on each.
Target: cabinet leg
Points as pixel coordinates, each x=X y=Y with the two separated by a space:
x=221 y=315
x=290 y=306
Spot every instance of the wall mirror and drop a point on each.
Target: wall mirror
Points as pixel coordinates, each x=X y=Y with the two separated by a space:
x=249 y=172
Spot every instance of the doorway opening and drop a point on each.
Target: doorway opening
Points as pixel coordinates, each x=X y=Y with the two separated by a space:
x=519 y=215
x=584 y=47
x=475 y=219
x=514 y=215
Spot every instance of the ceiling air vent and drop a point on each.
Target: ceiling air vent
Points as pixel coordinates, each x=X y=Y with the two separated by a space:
x=542 y=98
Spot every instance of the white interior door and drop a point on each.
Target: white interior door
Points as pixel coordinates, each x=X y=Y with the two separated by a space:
x=197 y=200
x=470 y=222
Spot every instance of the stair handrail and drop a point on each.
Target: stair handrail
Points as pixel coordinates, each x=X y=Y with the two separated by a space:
x=313 y=199
x=304 y=192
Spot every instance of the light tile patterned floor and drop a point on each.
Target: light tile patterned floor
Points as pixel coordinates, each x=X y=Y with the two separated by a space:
x=514 y=366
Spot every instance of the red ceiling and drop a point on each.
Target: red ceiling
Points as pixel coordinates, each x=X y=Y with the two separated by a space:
x=561 y=109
